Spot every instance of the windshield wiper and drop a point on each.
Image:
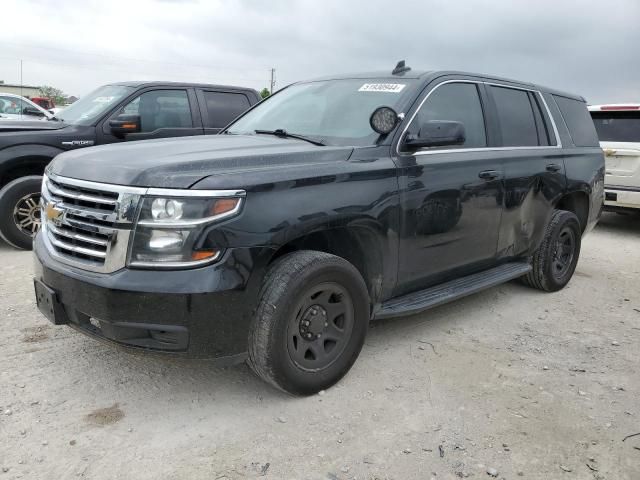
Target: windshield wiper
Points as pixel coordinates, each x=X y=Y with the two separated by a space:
x=280 y=132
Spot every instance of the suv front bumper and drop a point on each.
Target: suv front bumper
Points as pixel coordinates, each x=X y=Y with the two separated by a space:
x=203 y=312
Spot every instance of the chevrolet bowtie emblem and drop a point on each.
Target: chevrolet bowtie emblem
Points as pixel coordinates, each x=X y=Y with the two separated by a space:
x=53 y=213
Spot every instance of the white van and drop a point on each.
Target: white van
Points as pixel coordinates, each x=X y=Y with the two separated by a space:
x=618 y=127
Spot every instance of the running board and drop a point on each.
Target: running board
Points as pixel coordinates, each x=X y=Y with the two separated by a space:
x=417 y=302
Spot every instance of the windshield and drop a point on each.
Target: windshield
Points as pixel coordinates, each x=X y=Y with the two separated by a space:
x=90 y=107
x=335 y=112
x=617 y=126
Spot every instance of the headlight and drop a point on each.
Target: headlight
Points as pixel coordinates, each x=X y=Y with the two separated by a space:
x=169 y=229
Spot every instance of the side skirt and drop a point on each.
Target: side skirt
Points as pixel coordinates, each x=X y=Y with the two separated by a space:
x=422 y=300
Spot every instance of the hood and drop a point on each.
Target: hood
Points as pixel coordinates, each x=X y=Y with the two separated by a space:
x=29 y=125
x=181 y=162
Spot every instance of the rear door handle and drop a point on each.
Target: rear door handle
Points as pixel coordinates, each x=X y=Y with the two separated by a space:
x=553 y=167
x=489 y=174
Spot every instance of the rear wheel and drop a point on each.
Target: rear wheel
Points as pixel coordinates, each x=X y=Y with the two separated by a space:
x=310 y=323
x=20 y=211
x=555 y=260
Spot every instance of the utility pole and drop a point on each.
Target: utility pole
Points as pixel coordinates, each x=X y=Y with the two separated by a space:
x=273 y=80
x=21 y=78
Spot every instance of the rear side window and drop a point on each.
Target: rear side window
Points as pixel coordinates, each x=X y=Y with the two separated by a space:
x=457 y=102
x=617 y=126
x=578 y=121
x=516 y=117
x=223 y=107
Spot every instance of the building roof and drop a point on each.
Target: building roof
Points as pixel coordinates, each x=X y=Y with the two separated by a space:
x=17 y=85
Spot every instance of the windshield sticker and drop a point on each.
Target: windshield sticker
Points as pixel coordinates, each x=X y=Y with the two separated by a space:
x=382 y=87
x=103 y=99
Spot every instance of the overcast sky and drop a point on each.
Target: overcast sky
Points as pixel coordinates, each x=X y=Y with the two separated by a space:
x=590 y=47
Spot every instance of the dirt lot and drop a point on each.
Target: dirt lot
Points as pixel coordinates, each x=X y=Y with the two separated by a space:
x=538 y=386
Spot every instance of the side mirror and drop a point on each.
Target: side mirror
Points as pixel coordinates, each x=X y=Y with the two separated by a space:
x=437 y=133
x=124 y=123
x=32 y=111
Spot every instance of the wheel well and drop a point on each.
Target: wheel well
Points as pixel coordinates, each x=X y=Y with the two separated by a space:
x=578 y=203
x=25 y=167
x=358 y=246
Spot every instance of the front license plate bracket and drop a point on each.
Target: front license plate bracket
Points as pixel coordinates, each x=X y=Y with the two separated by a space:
x=48 y=303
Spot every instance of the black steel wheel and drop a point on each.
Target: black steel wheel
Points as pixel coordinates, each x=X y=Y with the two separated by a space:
x=556 y=259
x=20 y=211
x=563 y=252
x=310 y=323
x=320 y=331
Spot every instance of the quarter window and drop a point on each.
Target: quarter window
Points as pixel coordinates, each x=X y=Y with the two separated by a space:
x=161 y=109
x=459 y=102
x=578 y=121
x=516 y=117
x=223 y=107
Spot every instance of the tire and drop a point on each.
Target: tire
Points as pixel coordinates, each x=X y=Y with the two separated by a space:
x=300 y=358
x=555 y=260
x=19 y=203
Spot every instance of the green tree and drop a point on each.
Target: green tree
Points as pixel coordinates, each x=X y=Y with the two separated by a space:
x=264 y=93
x=55 y=94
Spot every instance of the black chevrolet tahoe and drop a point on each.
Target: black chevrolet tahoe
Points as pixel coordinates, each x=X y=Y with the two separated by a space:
x=333 y=203
x=111 y=114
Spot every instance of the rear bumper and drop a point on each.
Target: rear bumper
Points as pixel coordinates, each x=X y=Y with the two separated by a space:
x=616 y=198
x=203 y=312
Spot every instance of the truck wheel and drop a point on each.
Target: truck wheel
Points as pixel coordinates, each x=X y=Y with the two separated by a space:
x=555 y=260
x=20 y=211
x=310 y=322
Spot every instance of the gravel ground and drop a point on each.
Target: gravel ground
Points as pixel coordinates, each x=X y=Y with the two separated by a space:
x=510 y=381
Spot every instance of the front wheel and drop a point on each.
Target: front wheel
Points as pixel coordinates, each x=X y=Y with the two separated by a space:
x=555 y=260
x=310 y=323
x=20 y=211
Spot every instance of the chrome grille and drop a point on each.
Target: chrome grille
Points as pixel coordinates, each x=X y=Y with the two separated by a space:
x=83 y=197
x=88 y=224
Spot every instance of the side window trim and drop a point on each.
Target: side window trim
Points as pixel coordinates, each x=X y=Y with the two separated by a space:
x=482 y=91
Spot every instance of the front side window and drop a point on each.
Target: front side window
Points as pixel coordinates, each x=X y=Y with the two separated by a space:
x=335 y=112
x=222 y=107
x=11 y=105
x=516 y=117
x=458 y=102
x=19 y=106
x=90 y=107
x=161 y=109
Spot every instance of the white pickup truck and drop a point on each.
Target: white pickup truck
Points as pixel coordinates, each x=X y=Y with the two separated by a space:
x=618 y=127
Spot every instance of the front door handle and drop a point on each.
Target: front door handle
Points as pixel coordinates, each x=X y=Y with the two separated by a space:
x=553 y=167
x=489 y=174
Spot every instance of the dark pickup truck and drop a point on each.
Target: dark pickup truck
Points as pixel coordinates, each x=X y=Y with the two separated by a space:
x=332 y=203
x=111 y=114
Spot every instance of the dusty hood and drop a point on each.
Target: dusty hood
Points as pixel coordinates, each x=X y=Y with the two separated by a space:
x=181 y=162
